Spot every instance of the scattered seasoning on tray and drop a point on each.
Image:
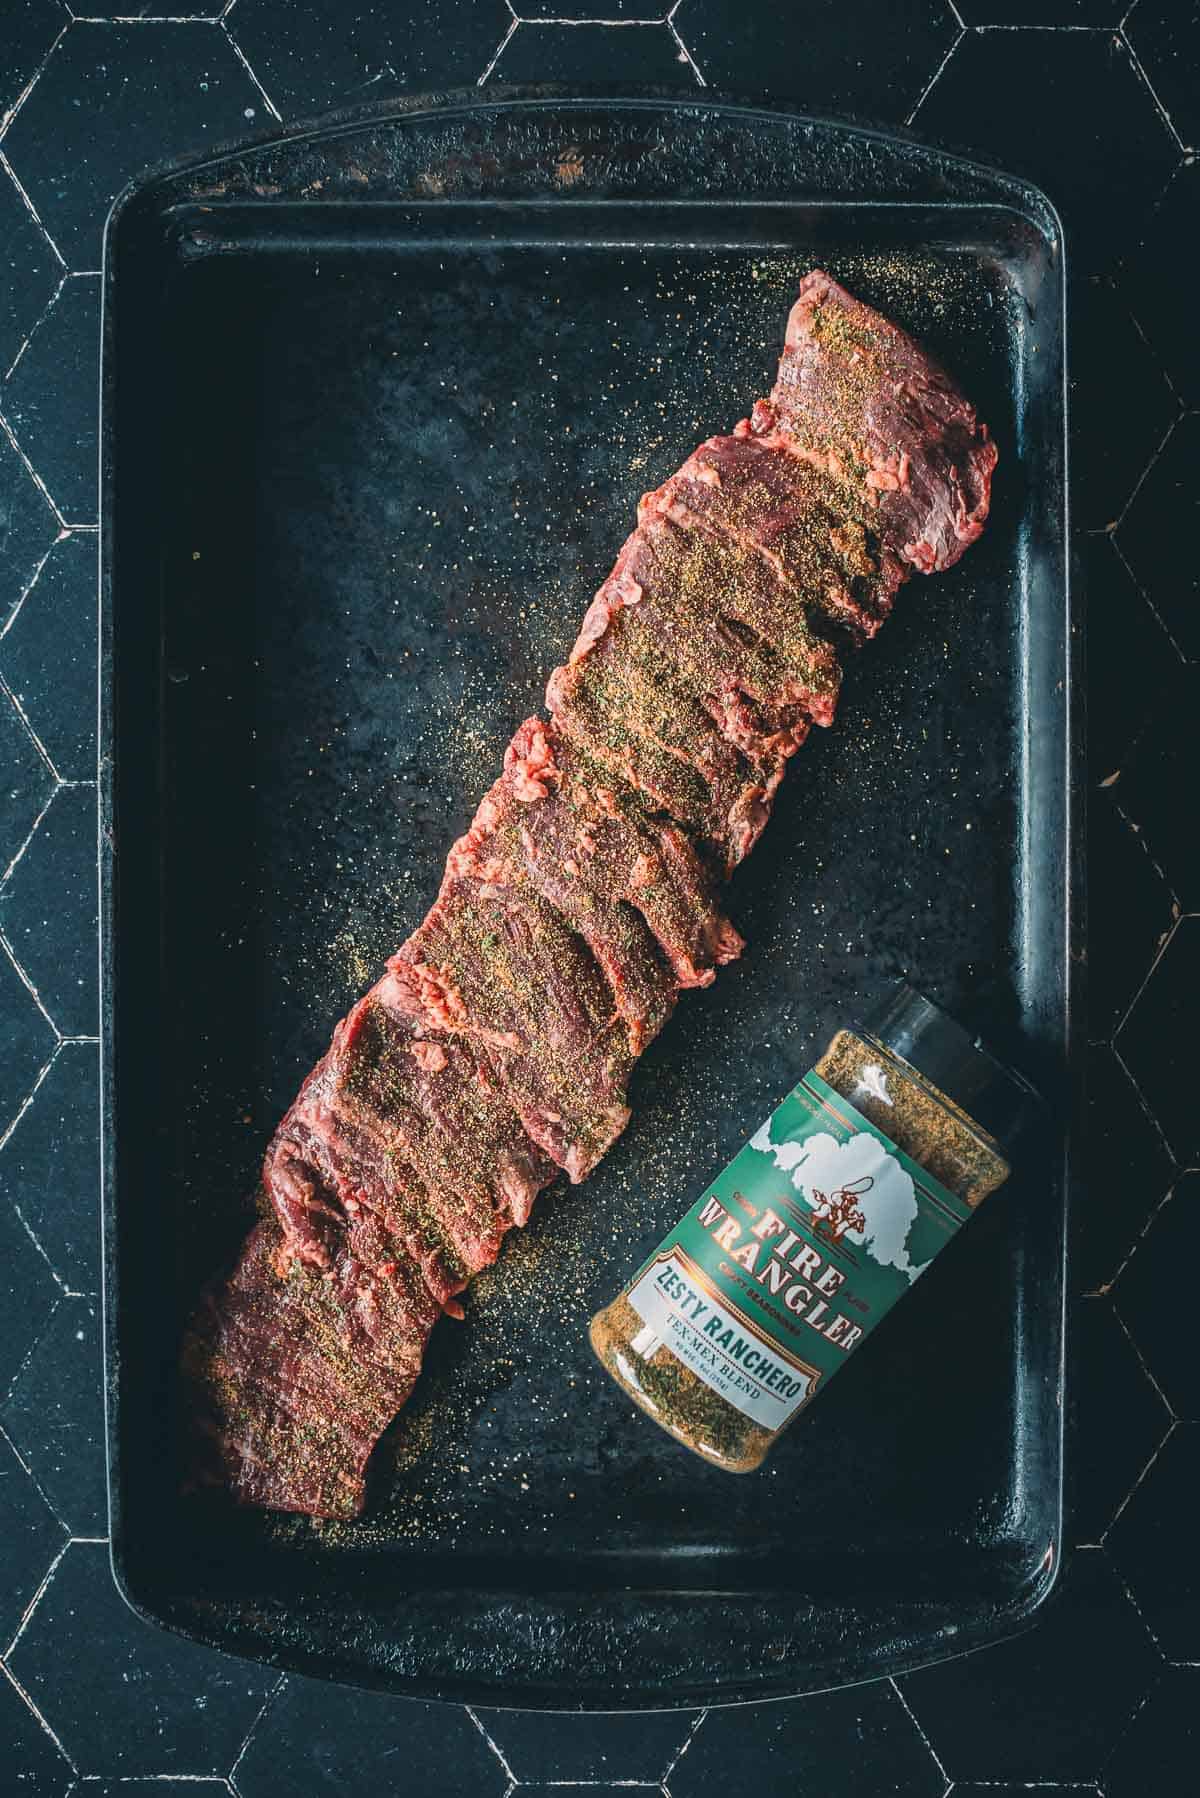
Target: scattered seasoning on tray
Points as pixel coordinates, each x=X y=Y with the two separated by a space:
x=454 y=1463
x=790 y=1258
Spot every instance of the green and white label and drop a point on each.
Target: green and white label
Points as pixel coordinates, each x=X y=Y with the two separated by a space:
x=792 y=1255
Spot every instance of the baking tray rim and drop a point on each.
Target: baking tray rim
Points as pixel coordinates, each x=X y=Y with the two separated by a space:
x=1027 y=201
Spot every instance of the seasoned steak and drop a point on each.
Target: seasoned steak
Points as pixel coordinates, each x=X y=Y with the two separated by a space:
x=823 y=541
x=296 y=1372
x=503 y=970
x=856 y=395
x=497 y=1048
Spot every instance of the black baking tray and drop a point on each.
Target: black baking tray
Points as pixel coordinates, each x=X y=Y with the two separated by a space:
x=379 y=400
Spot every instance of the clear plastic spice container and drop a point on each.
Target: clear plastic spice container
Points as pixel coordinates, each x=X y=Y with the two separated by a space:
x=791 y=1257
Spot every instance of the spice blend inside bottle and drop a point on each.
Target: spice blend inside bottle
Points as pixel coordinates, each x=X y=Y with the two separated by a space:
x=826 y=1217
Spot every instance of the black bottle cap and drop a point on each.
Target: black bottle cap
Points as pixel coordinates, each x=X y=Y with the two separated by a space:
x=1001 y=1101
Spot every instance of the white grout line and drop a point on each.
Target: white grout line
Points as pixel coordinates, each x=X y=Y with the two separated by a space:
x=1165 y=628
x=26 y=1358
x=1147 y=1695
x=1137 y=1609
x=241 y=56
x=34 y=476
x=19 y=709
x=28 y=589
x=697 y=1720
x=1078 y=30
x=7 y=1673
x=26 y=1102
x=685 y=54
x=37 y=324
x=32 y=1606
x=32 y=1476
x=1136 y=60
x=929 y=85
x=1137 y=831
x=1164 y=943
x=1124 y=1504
x=514 y=22
x=1155 y=455
x=492 y=1744
x=263 y=1708
x=1141 y=1359
x=610 y=24
x=30 y=208
x=912 y=1717
x=6 y=118
x=145 y=18
x=1106 y=1289
x=1143 y=1102
x=27 y=983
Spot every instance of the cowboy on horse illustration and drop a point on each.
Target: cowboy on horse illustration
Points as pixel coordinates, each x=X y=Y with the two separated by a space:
x=838 y=1211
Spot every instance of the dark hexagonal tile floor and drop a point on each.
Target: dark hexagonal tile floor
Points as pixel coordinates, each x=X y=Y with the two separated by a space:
x=26 y=782
x=324 y=1741
x=552 y=1749
x=27 y=528
x=112 y=101
x=1111 y=1382
x=331 y=54
x=30 y=28
x=29 y=1749
x=1051 y=1704
x=55 y=1416
x=50 y=1170
x=29 y=273
x=1149 y=1040
x=1042 y=12
x=52 y=400
x=1165 y=305
x=1162 y=1750
x=838 y=56
x=48 y=910
x=1162 y=1330
x=1111 y=360
x=1158 y=773
x=168 y=1705
x=1166 y=36
x=1155 y=1545
x=857 y=1743
x=1128 y=1171
x=583 y=53
x=1130 y=659
x=1130 y=911
x=26 y=1043
x=48 y=656
x=30 y=1537
x=1162 y=511
x=1100 y=148
x=646 y=10
x=28 y=1292
x=153 y=1788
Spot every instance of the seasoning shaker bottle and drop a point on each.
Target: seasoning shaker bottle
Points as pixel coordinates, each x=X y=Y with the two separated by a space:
x=827 y=1216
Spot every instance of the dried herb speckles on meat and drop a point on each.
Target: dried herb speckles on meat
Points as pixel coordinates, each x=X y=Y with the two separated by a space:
x=580 y=901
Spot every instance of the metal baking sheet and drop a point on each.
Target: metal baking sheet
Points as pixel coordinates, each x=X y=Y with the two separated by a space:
x=379 y=401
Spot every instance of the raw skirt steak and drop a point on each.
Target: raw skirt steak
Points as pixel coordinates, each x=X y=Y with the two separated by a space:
x=496 y=1050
